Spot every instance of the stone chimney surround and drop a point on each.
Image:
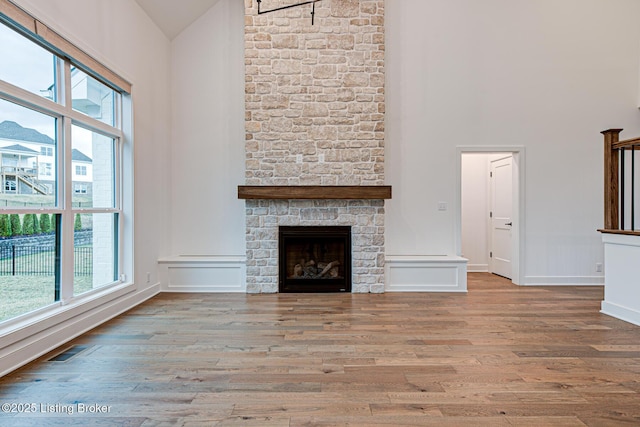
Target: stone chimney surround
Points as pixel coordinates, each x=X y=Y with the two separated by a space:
x=314 y=122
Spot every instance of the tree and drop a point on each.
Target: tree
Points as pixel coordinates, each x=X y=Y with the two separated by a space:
x=27 y=224
x=36 y=224
x=16 y=227
x=45 y=223
x=77 y=225
x=5 y=226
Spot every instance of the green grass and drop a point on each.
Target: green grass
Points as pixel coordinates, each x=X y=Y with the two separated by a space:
x=21 y=294
x=24 y=293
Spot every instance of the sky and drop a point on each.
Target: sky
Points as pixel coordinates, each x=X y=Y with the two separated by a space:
x=26 y=65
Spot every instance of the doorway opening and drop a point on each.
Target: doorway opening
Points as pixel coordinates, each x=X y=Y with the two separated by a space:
x=490 y=214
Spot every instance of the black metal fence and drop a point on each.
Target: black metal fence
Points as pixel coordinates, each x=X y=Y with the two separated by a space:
x=39 y=260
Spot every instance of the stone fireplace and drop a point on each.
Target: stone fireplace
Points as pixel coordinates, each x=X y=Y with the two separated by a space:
x=364 y=217
x=314 y=122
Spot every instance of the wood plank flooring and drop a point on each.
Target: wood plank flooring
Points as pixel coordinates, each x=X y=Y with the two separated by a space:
x=500 y=355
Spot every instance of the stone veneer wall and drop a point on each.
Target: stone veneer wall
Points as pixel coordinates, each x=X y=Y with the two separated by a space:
x=314 y=100
x=366 y=218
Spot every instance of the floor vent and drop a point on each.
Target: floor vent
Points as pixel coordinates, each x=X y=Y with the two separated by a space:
x=68 y=353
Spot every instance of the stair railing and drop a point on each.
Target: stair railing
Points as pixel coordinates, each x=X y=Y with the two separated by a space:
x=619 y=183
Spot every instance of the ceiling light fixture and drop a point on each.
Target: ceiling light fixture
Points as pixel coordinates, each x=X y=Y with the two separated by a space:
x=313 y=9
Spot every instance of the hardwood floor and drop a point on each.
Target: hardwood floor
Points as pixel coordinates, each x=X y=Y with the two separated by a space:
x=500 y=355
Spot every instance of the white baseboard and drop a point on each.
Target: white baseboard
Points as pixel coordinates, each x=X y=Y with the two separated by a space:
x=203 y=274
x=619 y=312
x=433 y=273
x=563 y=281
x=477 y=268
x=40 y=336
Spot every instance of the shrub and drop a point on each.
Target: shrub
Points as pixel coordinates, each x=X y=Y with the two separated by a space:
x=77 y=225
x=27 y=224
x=45 y=223
x=36 y=224
x=16 y=227
x=5 y=226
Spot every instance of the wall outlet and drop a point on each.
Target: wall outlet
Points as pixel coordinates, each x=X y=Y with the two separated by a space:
x=598 y=267
x=148 y=277
x=442 y=206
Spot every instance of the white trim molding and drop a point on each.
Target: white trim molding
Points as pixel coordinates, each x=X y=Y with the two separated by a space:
x=207 y=273
x=621 y=272
x=428 y=273
x=477 y=268
x=563 y=281
x=35 y=337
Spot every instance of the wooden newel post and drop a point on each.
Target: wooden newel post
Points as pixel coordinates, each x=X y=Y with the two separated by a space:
x=611 y=170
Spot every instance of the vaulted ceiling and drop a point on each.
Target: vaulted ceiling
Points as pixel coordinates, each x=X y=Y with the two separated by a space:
x=173 y=16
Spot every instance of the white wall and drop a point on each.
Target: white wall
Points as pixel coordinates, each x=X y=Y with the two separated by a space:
x=475 y=208
x=207 y=153
x=548 y=75
x=119 y=34
x=545 y=75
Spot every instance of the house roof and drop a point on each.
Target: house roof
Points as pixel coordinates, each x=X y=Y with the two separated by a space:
x=79 y=156
x=19 y=148
x=12 y=130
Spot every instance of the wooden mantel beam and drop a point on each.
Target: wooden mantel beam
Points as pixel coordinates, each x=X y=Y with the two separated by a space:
x=318 y=192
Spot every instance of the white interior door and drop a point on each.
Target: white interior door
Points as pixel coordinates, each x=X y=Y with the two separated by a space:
x=501 y=205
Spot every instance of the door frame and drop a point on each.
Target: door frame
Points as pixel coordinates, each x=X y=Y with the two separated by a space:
x=518 y=236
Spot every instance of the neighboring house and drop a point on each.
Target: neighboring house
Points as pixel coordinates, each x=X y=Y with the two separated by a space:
x=19 y=170
x=82 y=172
x=27 y=158
x=89 y=96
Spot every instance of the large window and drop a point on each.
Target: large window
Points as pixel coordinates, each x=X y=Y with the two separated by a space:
x=61 y=143
x=26 y=65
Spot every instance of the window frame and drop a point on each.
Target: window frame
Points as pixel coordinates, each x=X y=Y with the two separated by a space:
x=62 y=111
x=80 y=188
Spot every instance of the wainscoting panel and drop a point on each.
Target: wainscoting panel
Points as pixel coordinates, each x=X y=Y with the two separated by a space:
x=203 y=274
x=621 y=272
x=437 y=273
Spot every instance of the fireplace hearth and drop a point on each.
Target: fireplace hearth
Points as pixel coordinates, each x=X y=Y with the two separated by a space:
x=314 y=259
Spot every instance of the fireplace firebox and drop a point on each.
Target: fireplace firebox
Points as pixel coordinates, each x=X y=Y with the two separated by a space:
x=314 y=259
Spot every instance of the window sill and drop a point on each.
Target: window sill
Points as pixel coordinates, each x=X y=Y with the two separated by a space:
x=32 y=323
